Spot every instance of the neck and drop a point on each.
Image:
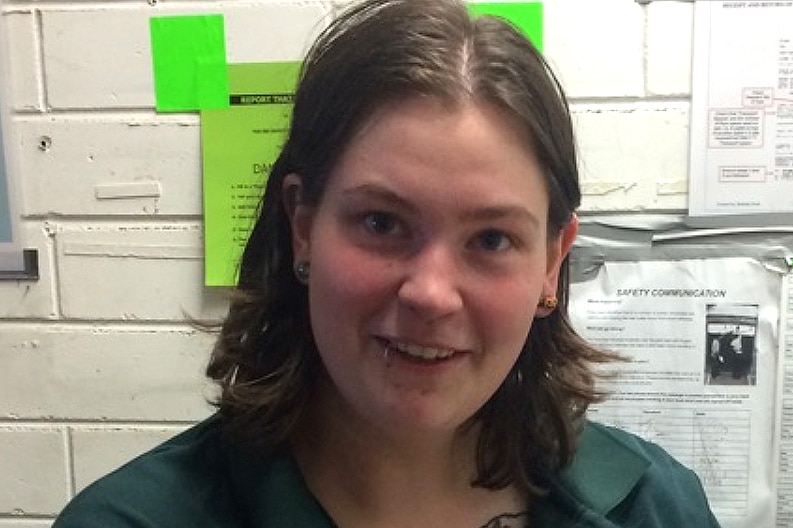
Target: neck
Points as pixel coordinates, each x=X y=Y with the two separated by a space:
x=334 y=435
x=368 y=476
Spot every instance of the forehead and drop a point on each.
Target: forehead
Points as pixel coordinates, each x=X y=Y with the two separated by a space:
x=441 y=105
x=428 y=145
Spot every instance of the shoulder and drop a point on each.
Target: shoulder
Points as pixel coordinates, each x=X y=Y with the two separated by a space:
x=633 y=482
x=186 y=471
x=199 y=480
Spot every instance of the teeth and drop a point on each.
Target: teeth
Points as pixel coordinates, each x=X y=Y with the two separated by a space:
x=421 y=352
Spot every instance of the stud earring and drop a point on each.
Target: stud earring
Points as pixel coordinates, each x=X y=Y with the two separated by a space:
x=549 y=302
x=303 y=271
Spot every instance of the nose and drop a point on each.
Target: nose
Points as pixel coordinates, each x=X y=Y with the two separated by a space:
x=431 y=286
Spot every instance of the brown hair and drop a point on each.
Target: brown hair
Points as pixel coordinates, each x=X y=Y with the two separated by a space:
x=379 y=51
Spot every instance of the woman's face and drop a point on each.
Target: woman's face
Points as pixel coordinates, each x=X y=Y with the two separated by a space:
x=429 y=252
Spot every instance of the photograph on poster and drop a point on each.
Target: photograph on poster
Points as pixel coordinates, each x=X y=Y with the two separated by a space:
x=730 y=344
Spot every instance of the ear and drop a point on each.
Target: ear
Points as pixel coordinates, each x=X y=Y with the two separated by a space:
x=301 y=216
x=558 y=249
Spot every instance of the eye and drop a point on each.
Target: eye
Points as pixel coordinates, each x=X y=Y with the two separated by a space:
x=381 y=223
x=493 y=240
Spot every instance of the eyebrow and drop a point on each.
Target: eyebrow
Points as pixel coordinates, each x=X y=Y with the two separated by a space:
x=499 y=212
x=495 y=212
x=383 y=194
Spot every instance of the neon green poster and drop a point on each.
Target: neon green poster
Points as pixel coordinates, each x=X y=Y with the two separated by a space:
x=239 y=144
x=189 y=62
x=527 y=16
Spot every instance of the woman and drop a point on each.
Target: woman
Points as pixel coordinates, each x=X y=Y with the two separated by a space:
x=397 y=352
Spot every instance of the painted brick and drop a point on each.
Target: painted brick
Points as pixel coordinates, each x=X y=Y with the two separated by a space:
x=25 y=523
x=31 y=299
x=627 y=150
x=84 y=156
x=110 y=373
x=23 y=61
x=135 y=272
x=669 y=47
x=33 y=474
x=115 y=70
x=273 y=31
x=595 y=47
x=96 y=452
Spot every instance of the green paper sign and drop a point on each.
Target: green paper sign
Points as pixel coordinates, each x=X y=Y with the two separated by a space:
x=239 y=144
x=189 y=63
x=527 y=16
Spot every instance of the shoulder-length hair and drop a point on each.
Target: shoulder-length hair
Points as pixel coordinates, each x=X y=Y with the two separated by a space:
x=380 y=51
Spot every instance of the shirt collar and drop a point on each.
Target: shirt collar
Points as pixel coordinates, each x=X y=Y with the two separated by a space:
x=604 y=471
x=271 y=492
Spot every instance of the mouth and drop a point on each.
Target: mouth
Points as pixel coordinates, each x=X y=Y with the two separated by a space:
x=416 y=352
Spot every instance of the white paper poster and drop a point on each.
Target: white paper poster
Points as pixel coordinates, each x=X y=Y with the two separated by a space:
x=703 y=341
x=741 y=156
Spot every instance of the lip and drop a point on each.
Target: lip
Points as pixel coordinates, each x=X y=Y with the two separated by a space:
x=418 y=352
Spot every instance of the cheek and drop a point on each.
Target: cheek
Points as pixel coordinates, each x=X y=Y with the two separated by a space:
x=508 y=309
x=348 y=273
x=346 y=281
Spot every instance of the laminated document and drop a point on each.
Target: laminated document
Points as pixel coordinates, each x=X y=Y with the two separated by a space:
x=706 y=331
x=741 y=155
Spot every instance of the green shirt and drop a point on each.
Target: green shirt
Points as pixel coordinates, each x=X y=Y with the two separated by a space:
x=198 y=480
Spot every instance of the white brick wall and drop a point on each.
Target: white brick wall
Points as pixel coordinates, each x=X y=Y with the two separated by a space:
x=596 y=47
x=26 y=490
x=92 y=158
x=97 y=362
x=97 y=450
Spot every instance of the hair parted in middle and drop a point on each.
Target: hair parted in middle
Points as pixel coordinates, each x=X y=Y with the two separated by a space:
x=376 y=53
